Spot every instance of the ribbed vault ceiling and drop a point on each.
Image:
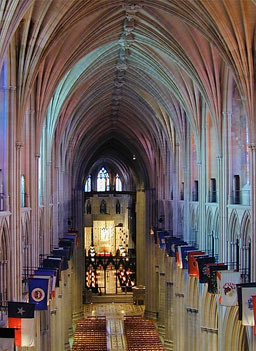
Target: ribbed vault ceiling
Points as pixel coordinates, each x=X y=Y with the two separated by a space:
x=114 y=78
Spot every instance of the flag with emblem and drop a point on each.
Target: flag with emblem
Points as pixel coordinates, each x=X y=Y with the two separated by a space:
x=177 y=245
x=192 y=263
x=48 y=274
x=39 y=292
x=7 y=339
x=161 y=239
x=247 y=305
x=211 y=271
x=170 y=245
x=202 y=267
x=227 y=288
x=183 y=255
x=21 y=318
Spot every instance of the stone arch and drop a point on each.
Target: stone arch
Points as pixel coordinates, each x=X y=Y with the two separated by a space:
x=209 y=230
x=26 y=245
x=234 y=332
x=5 y=262
x=216 y=229
x=192 y=319
x=209 y=327
x=245 y=249
x=179 y=309
x=194 y=220
x=233 y=239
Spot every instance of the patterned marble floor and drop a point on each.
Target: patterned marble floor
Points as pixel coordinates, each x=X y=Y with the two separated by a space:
x=114 y=313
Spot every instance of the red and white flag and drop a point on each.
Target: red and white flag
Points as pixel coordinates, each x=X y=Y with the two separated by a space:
x=227 y=289
x=21 y=318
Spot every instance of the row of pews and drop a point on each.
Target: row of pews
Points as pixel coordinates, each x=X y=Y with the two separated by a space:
x=90 y=335
x=141 y=334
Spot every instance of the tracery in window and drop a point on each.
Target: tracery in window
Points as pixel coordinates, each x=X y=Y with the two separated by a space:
x=88 y=184
x=118 y=183
x=103 y=180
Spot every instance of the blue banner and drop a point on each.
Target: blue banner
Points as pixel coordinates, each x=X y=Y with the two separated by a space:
x=39 y=292
x=161 y=241
x=183 y=251
x=170 y=245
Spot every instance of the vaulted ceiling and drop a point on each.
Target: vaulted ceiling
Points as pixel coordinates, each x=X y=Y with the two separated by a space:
x=115 y=78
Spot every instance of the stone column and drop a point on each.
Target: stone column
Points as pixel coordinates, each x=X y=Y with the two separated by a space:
x=187 y=187
x=252 y=155
x=203 y=188
x=150 y=309
x=221 y=198
x=17 y=253
x=78 y=275
x=176 y=188
x=140 y=237
x=35 y=211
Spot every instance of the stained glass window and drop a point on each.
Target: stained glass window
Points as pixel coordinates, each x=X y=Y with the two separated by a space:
x=88 y=184
x=118 y=183
x=103 y=180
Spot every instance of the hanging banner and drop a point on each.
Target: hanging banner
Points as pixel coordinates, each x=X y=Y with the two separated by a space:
x=240 y=297
x=192 y=263
x=254 y=311
x=65 y=254
x=247 y=306
x=39 y=292
x=73 y=235
x=47 y=273
x=183 y=255
x=211 y=271
x=7 y=339
x=50 y=271
x=67 y=243
x=170 y=245
x=178 y=258
x=160 y=239
x=227 y=288
x=202 y=267
x=21 y=318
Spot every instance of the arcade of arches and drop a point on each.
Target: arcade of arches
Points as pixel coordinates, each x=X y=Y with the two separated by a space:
x=119 y=119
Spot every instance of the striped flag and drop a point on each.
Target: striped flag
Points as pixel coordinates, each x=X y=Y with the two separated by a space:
x=7 y=339
x=21 y=318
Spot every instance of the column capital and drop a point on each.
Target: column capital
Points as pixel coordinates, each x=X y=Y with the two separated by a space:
x=19 y=145
x=227 y=113
x=219 y=156
x=252 y=146
x=37 y=155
